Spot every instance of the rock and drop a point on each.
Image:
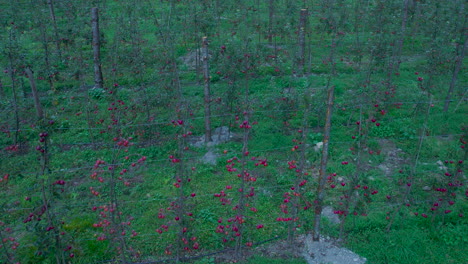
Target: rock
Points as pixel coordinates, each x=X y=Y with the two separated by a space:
x=191 y=58
x=314 y=252
x=426 y=188
x=218 y=136
x=318 y=252
x=442 y=167
x=385 y=169
x=318 y=146
x=328 y=213
x=221 y=134
x=393 y=157
x=210 y=157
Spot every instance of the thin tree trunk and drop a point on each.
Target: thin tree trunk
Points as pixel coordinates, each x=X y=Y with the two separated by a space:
x=456 y=70
x=355 y=177
x=357 y=32
x=323 y=166
x=114 y=203
x=45 y=45
x=4 y=246
x=50 y=3
x=245 y=152
x=397 y=55
x=115 y=216
x=320 y=194
x=416 y=17
x=13 y=87
x=302 y=29
x=302 y=165
x=9 y=257
x=37 y=103
x=218 y=16
x=15 y=103
x=2 y=92
x=98 y=80
x=59 y=257
x=422 y=136
x=206 y=78
x=23 y=89
x=461 y=100
x=271 y=12
x=155 y=21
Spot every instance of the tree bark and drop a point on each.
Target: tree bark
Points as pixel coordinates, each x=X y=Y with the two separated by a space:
x=323 y=166
x=98 y=80
x=206 y=78
x=37 y=103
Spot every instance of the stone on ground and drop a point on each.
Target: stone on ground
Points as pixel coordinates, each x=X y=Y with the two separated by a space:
x=324 y=252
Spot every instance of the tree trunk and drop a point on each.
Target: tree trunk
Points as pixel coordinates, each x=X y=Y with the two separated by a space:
x=240 y=212
x=23 y=89
x=301 y=55
x=9 y=257
x=37 y=103
x=323 y=167
x=2 y=92
x=11 y=70
x=98 y=80
x=59 y=256
x=456 y=70
x=395 y=67
x=271 y=11
x=45 y=45
x=15 y=101
x=303 y=146
x=50 y=3
x=206 y=78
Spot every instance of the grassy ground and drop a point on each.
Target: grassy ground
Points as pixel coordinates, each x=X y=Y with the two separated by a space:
x=146 y=101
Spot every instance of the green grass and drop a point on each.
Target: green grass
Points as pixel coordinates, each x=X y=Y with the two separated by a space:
x=407 y=245
x=82 y=131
